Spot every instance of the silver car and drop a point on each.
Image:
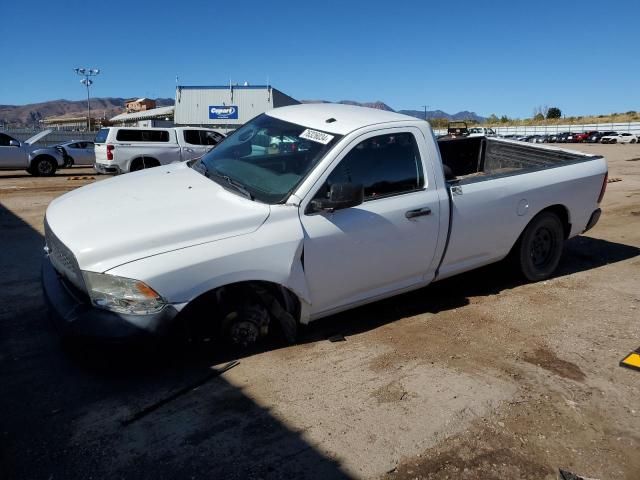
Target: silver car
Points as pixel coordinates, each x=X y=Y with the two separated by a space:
x=39 y=161
x=77 y=152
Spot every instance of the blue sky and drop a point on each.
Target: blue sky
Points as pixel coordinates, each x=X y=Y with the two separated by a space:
x=488 y=57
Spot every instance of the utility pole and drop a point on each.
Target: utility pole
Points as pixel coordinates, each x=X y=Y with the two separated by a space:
x=425 y=111
x=87 y=82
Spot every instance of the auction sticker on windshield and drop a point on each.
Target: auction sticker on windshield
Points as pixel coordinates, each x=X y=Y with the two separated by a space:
x=316 y=136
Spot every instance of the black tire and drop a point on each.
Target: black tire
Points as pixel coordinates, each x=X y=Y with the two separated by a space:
x=540 y=247
x=633 y=140
x=142 y=163
x=44 y=166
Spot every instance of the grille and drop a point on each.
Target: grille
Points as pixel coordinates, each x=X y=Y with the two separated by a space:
x=62 y=259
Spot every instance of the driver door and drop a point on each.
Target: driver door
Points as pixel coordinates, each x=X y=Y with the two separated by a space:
x=11 y=156
x=378 y=247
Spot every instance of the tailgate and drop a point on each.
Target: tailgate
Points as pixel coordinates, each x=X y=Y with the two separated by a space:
x=101 y=153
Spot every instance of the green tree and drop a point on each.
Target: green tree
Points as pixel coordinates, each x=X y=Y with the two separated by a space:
x=554 y=112
x=504 y=119
x=493 y=118
x=539 y=117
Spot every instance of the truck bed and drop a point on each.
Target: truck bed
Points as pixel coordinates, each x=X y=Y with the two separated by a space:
x=480 y=158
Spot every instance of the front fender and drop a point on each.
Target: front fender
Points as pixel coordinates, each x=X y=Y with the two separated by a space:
x=273 y=253
x=51 y=152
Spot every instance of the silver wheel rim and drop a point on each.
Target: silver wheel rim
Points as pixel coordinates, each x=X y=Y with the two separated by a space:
x=44 y=167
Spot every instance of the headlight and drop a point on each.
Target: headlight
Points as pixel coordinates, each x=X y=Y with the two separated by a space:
x=122 y=295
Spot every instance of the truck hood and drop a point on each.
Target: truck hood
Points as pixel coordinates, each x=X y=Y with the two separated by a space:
x=37 y=136
x=145 y=213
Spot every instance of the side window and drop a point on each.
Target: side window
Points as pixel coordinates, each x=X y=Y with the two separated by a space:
x=385 y=165
x=210 y=138
x=142 y=136
x=4 y=140
x=192 y=137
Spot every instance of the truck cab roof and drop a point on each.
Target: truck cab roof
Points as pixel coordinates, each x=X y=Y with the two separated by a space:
x=336 y=118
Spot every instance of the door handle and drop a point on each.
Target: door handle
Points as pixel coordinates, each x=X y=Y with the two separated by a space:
x=420 y=212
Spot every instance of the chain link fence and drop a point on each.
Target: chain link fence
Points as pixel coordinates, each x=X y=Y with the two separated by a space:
x=54 y=138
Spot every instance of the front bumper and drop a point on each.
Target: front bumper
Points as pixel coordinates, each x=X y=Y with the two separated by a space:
x=109 y=169
x=73 y=314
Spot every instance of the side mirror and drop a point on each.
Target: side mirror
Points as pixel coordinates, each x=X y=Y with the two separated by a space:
x=341 y=195
x=14 y=143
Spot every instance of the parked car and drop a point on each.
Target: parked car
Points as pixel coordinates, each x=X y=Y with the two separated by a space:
x=564 y=137
x=619 y=138
x=238 y=240
x=482 y=132
x=38 y=161
x=77 y=152
x=127 y=149
x=595 y=137
x=583 y=136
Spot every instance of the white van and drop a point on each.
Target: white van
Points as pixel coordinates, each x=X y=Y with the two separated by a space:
x=127 y=149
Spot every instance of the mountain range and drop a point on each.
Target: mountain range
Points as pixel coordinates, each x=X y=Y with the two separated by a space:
x=29 y=115
x=431 y=114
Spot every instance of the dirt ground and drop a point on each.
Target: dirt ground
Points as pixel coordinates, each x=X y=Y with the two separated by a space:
x=480 y=376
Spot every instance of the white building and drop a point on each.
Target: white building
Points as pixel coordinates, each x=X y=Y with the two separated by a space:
x=226 y=107
x=155 y=117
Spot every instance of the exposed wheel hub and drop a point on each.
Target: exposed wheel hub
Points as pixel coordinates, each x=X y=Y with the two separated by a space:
x=246 y=324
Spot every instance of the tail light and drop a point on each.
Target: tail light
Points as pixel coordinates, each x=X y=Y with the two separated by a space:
x=110 y=152
x=604 y=186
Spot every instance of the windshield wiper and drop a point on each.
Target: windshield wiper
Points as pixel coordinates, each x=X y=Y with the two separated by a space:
x=234 y=183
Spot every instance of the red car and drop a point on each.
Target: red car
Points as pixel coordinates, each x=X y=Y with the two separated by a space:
x=582 y=137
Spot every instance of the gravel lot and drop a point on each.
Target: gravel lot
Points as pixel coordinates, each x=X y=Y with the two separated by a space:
x=477 y=377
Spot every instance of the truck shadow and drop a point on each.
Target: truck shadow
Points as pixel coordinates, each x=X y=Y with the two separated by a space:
x=61 y=414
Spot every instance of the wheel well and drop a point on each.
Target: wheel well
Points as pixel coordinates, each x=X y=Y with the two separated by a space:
x=559 y=210
x=44 y=155
x=144 y=161
x=563 y=214
x=202 y=304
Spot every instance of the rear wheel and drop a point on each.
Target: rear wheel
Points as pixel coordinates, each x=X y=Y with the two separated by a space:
x=633 y=140
x=540 y=247
x=43 y=166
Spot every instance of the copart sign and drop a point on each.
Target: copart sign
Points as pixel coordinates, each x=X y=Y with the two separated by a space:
x=223 y=112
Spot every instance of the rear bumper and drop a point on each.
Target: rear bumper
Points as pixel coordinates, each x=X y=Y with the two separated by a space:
x=595 y=216
x=75 y=316
x=109 y=169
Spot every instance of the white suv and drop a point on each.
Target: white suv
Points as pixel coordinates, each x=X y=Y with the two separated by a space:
x=481 y=132
x=127 y=149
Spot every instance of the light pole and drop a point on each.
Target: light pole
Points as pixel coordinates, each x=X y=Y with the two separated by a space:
x=87 y=82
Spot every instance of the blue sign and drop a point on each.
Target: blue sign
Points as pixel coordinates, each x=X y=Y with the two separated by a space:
x=223 y=112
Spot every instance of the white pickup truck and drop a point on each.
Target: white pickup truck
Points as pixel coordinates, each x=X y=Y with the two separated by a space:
x=127 y=149
x=303 y=212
